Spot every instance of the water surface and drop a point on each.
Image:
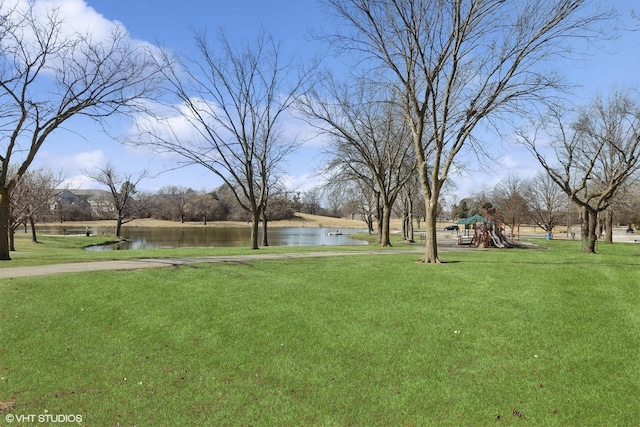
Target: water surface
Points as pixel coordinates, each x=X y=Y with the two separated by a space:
x=179 y=237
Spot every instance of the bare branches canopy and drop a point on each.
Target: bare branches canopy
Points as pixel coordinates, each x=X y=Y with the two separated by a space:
x=230 y=100
x=589 y=154
x=457 y=63
x=122 y=188
x=50 y=72
x=369 y=140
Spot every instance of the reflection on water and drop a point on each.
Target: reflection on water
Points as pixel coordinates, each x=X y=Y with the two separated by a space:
x=176 y=237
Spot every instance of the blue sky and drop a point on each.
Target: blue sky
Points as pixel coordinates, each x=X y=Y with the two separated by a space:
x=170 y=23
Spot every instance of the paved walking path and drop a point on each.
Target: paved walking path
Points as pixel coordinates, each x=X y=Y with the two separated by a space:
x=136 y=264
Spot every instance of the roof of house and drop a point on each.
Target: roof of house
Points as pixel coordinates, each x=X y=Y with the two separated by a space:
x=86 y=193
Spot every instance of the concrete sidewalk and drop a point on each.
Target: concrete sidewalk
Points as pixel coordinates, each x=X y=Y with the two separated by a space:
x=136 y=264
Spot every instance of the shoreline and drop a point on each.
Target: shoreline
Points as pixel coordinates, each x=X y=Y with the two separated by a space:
x=301 y=220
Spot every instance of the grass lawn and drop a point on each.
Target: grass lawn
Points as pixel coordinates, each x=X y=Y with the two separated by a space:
x=498 y=337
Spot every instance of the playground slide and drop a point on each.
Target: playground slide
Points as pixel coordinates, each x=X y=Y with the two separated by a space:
x=495 y=239
x=514 y=244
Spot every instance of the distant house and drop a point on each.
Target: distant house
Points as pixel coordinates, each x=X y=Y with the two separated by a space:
x=79 y=205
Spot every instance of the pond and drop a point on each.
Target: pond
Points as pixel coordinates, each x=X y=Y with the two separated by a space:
x=178 y=237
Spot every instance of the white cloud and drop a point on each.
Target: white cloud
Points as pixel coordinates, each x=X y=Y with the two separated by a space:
x=296 y=128
x=303 y=182
x=76 y=18
x=73 y=166
x=76 y=15
x=175 y=125
x=73 y=163
x=89 y=159
x=82 y=182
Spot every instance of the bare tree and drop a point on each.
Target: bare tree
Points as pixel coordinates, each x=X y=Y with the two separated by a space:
x=122 y=188
x=177 y=198
x=231 y=99
x=627 y=204
x=274 y=194
x=410 y=194
x=279 y=208
x=50 y=73
x=457 y=63
x=510 y=198
x=369 y=139
x=596 y=154
x=30 y=199
x=547 y=203
x=311 y=201
x=623 y=200
x=203 y=205
x=358 y=200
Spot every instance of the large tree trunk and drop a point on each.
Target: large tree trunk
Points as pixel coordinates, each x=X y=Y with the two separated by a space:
x=5 y=212
x=431 y=243
x=385 y=239
x=589 y=226
x=254 y=229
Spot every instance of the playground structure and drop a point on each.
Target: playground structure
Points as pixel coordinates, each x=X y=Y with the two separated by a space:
x=488 y=231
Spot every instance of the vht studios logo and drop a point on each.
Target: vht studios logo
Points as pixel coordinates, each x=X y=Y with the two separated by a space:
x=43 y=418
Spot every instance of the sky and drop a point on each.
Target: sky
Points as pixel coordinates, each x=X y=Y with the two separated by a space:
x=83 y=146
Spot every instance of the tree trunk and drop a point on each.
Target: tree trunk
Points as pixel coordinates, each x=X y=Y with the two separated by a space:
x=254 y=229
x=584 y=226
x=34 y=237
x=589 y=226
x=12 y=239
x=409 y=220
x=5 y=212
x=608 y=226
x=405 y=229
x=369 y=221
x=431 y=243
x=265 y=241
x=385 y=238
x=411 y=237
x=118 y=227
x=379 y=215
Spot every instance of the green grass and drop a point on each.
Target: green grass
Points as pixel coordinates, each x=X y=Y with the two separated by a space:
x=499 y=337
